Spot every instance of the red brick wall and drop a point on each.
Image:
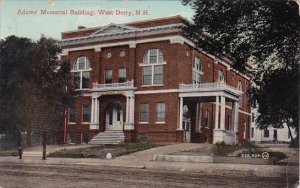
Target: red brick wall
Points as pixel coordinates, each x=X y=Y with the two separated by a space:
x=178 y=69
x=165 y=132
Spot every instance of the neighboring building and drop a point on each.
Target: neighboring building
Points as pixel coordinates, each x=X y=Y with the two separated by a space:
x=145 y=81
x=274 y=135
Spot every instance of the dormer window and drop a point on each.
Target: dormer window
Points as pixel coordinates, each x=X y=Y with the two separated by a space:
x=153 y=70
x=81 y=69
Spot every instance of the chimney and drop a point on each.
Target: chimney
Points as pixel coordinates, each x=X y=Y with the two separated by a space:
x=81 y=27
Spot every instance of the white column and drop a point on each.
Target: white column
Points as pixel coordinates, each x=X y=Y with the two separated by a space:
x=199 y=111
x=127 y=109
x=92 y=111
x=180 y=113
x=217 y=113
x=97 y=111
x=222 y=118
x=236 y=116
x=132 y=110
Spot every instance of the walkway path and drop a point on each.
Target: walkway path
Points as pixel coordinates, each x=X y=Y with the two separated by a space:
x=143 y=159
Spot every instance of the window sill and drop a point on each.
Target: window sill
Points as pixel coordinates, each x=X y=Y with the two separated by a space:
x=159 y=85
x=81 y=70
x=71 y=123
x=85 y=89
x=151 y=64
x=160 y=122
x=85 y=123
x=144 y=123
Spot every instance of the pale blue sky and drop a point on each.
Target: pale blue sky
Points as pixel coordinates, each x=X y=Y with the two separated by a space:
x=33 y=26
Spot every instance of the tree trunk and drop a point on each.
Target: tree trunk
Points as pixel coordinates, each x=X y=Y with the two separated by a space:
x=18 y=136
x=44 y=144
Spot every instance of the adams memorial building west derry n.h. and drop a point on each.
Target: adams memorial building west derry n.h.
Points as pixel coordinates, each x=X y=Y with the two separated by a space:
x=146 y=81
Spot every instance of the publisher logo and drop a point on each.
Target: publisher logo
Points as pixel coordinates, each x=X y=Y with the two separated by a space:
x=265 y=155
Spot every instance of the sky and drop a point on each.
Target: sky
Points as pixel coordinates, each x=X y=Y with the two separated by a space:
x=26 y=19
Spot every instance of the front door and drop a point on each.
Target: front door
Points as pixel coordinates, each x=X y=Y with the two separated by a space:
x=114 y=118
x=186 y=125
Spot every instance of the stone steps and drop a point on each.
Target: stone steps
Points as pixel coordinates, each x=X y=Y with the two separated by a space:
x=108 y=137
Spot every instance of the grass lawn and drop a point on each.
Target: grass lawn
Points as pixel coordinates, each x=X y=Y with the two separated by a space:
x=100 y=151
x=245 y=149
x=9 y=153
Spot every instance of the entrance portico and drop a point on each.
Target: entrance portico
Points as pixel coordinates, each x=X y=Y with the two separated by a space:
x=218 y=93
x=114 y=112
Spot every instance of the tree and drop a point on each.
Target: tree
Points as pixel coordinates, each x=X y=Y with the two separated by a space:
x=263 y=33
x=32 y=87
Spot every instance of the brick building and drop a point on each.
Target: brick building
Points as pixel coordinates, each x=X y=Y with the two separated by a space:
x=146 y=81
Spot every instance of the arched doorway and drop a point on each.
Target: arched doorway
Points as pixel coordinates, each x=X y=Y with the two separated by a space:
x=114 y=117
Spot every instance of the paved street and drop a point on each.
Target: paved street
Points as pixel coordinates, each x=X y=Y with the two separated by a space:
x=32 y=175
x=138 y=170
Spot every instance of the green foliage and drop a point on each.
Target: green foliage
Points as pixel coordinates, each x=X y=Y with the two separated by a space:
x=100 y=151
x=265 y=34
x=32 y=85
x=246 y=28
x=222 y=149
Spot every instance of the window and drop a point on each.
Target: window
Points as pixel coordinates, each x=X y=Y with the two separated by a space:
x=153 y=72
x=207 y=119
x=160 y=112
x=158 y=75
x=252 y=132
x=72 y=114
x=86 y=113
x=266 y=133
x=240 y=88
x=122 y=53
x=221 y=76
x=108 y=76
x=144 y=113
x=81 y=69
x=122 y=75
x=253 y=117
x=109 y=55
x=197 y=71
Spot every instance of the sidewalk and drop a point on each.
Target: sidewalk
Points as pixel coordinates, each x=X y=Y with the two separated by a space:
x=143 y=159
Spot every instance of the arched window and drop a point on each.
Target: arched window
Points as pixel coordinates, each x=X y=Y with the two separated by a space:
x=240 y=88
x=221 y=76
x=81 y=69
x=153 y=70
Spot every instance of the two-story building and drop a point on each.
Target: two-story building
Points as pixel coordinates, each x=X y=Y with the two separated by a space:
x=146 y=81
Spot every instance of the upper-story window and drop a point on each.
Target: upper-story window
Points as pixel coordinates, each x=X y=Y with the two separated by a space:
x=153 y=72
x=197 y=71
x=81 y=68
x=240 y=88
x=221 y=76
x=122 y=75
x=108 y=76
